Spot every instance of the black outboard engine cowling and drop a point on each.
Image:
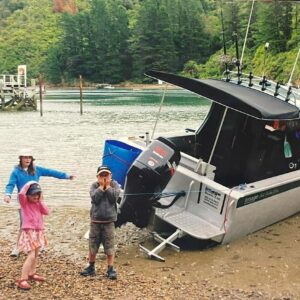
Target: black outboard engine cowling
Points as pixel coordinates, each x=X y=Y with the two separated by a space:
x=146 y=179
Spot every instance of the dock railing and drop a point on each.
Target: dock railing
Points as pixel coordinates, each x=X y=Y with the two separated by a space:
x=10 y=81
x=14 y=93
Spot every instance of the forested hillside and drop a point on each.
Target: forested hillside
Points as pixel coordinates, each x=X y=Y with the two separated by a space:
x=117 y=40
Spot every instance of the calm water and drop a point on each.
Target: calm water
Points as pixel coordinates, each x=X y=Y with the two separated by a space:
x=65 y=140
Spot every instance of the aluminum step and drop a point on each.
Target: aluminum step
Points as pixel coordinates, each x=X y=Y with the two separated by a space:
x=190 y=223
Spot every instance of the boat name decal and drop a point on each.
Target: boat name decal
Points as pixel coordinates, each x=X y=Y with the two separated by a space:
x=266 y=194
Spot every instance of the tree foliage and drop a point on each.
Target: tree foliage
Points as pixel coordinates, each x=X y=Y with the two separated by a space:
x=27 y=36
x=118 y=40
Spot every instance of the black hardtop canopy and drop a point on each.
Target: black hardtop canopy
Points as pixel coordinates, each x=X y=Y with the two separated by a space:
x=241 y=98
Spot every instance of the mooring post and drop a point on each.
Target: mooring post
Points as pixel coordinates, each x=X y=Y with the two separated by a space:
x=41 y=95
x=33 y=89
x=80 y=89
x=2 y=94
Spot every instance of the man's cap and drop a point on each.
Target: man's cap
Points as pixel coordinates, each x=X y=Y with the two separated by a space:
x=103 y=169
x=25 y=152
x=34 y=188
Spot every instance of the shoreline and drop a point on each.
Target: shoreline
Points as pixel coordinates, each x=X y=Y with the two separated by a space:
x=131 y=86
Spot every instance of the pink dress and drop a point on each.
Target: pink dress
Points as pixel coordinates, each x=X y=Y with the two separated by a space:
x=32 y=231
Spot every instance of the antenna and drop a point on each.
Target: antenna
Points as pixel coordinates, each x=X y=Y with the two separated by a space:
x=264 y=82
x=293 y=70
x=267 y=45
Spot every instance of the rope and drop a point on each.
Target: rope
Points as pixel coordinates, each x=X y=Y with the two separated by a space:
x=164 y=206
x=169 y=194
x=225 y=215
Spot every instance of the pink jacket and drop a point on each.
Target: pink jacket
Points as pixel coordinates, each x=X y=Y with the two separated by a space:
x=32 y=212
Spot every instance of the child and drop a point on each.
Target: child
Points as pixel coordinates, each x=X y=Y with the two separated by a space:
x=32 y=236
x=104 y=194
x=24 y=172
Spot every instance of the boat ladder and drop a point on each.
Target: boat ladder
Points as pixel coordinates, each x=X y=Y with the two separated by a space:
x=153 y=254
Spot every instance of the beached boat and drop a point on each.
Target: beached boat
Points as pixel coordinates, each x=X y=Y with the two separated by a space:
x=237 y=173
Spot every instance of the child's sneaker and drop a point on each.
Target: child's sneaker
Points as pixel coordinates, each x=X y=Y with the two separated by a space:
x=88 y=271
x=111 y=273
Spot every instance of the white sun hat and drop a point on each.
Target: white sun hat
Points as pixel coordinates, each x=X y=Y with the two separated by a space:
x=25 y=152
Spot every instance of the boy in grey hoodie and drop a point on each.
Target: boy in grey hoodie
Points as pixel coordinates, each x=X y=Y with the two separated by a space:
x=104 y=194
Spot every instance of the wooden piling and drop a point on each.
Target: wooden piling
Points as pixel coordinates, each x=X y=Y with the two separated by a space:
x=41 y=94
x=2 y=94
x=80 y=89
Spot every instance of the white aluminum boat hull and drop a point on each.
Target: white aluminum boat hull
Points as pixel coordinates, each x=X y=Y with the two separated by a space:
x=211 y=211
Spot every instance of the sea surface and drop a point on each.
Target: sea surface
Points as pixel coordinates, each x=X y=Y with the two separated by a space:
x=65 y=140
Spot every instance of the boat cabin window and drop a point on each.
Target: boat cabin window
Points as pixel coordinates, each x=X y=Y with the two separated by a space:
x=247 y=150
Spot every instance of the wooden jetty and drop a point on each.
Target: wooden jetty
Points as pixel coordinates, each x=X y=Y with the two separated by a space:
x=15 y=95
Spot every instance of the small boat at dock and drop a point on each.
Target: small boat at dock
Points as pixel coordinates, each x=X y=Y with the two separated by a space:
x=104 y=86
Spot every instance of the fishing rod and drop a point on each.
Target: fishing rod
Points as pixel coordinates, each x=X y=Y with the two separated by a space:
x=246 y=35
x=293 y=70
x=237 y=63
x=224 y=44
x=264 y=83
x=235 y=38
x=289 y=84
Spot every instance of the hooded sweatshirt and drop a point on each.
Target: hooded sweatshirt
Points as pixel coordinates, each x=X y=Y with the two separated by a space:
x=104 y=203
x=32 y=212
x=19 y=177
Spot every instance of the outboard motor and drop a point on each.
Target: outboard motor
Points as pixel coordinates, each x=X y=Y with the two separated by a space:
x=146 y=179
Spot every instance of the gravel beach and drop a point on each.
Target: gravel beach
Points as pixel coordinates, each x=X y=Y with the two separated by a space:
x=263 y=265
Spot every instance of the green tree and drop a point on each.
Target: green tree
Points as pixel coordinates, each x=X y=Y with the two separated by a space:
x=274 y=24
x=7 y=7
x=95 y=42
x=28 y=34
x=191 y=37
x=152 y=43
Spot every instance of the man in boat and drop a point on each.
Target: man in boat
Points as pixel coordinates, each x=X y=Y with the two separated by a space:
x=104 y=194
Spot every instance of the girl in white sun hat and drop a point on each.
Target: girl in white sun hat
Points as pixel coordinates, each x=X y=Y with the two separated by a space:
x=27 y=171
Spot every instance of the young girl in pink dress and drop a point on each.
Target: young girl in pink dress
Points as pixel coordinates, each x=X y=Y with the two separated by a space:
x=32 y=236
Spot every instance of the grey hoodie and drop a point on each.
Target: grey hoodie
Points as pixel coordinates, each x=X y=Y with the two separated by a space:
x=104 y=203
